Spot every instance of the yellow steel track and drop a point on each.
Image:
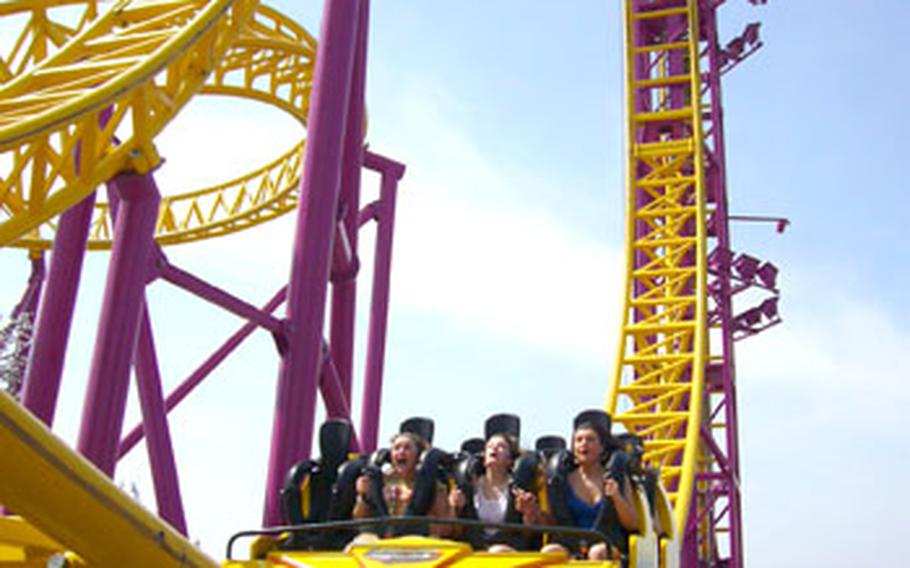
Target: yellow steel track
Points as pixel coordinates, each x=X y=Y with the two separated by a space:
x=271 y=62
x=658 y=387
x=123 y=77
x=43 y=31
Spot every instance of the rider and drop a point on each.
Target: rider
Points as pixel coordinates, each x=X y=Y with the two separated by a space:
x=495 y=498
x=593 y=498
x=397 y=486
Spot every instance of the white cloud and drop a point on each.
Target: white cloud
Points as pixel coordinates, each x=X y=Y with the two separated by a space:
x=471 y=246
x=823 y=401
x=841 y=348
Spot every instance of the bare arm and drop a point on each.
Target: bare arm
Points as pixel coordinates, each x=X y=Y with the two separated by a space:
x=526 y=504
x=622 y=501
x=361 y=509
x=441 y=509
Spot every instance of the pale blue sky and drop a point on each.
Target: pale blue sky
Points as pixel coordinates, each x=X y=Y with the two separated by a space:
x=508 y=255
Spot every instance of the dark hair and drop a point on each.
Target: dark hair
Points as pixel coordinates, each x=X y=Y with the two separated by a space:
x=602 y=435
x=511 y=441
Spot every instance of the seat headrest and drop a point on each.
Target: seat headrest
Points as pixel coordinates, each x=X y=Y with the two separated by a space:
x=473 y=446
x=525 y=471
x=597 y=417
x=560 y=464
x=334 y=441
x=601 y=422
x=420 y=426
x=508 y=424
x=548 y=445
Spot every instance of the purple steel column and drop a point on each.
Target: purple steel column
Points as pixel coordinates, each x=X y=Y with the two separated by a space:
x=379 y=307
x=45 y=365
x=717 y=184
x=105 y=402
x=157 y=433
x=344 y=290
x=295 y=404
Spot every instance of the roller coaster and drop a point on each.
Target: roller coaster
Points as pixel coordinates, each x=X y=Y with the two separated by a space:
x=86 y=88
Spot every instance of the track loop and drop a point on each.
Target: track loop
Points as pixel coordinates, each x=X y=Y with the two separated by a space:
x=124 y=77
x=271 y=61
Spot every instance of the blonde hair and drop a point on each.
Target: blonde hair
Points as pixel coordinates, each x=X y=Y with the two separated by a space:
x=418 y=442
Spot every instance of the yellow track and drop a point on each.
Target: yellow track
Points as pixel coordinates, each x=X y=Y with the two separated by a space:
x=44 y=31
x=125 y=76
x=658 y=388
x=65 y=496
x=271 y=62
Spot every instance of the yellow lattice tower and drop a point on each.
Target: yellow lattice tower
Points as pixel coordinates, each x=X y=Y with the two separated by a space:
x=657 y=390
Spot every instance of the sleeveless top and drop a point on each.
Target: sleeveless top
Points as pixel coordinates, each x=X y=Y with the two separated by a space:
x=583 y=514
x=490 y=510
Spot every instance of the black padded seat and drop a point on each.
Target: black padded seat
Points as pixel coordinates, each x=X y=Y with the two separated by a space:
x=473 y=446
x=546 y=446
x=422 y=427
x=307 y=493
x=504 y=423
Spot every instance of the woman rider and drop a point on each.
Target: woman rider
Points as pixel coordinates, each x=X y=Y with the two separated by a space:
x=496 y=499
x=398 y=485
x=591 y=496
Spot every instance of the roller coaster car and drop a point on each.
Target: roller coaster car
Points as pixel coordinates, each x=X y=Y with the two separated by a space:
x=320 y=512
x=414 y=551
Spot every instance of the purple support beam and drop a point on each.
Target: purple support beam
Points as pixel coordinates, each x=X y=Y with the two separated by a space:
x=727 y=452
x=207 y=366
x=154 y=419
x=344 y=286
x=344 y=261
x=295 y=406
x=367 y=214
x=336 y=404
x=219 y=297
x=382 y=266
x=108 y=383
x=45 y=365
